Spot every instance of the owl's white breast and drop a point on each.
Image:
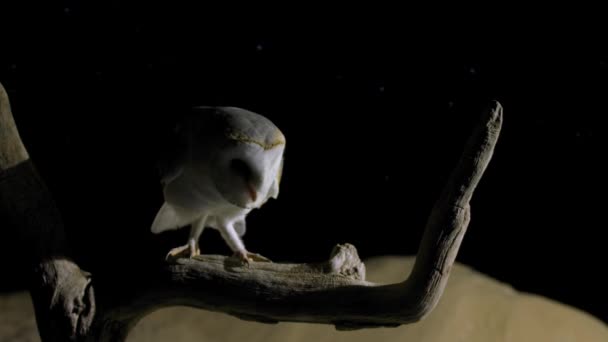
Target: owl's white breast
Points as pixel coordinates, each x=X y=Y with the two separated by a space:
x=194 y=192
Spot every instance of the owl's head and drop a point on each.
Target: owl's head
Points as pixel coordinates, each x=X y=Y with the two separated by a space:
x=246 y=163
x=247 y=175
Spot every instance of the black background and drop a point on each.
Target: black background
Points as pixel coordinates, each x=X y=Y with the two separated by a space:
x=375 y=110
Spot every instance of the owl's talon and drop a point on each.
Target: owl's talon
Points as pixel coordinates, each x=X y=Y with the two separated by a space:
x=247 y=257
x=186 y=251
x=258 y=257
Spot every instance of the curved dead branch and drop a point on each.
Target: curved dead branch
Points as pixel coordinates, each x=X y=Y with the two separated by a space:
x=334 y=292
x=61 y=292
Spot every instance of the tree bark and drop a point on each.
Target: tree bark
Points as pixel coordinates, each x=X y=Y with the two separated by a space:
x=61 y=292
x=334 y=292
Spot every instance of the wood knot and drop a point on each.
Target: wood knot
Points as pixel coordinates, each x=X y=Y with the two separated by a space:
x=344 y=260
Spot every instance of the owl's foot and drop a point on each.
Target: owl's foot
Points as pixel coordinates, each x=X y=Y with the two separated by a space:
x=187 y=251
x=246 y=257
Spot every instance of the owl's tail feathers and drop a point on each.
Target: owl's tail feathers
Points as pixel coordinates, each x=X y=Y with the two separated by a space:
x=167 y=218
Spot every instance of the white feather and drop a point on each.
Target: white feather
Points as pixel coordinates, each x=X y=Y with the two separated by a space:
x=168 y=218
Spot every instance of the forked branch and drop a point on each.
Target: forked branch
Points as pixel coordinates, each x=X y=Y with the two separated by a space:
x=334 y=292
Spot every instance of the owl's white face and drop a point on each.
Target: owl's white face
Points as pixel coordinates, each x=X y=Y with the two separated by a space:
x=246 y=175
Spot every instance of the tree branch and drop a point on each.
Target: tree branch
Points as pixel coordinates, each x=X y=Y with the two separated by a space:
x=63 y=299
x=334 y=292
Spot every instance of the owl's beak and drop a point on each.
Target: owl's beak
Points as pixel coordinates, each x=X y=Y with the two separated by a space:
x=252 y=193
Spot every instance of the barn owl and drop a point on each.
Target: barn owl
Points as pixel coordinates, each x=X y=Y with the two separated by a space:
x=227 y=162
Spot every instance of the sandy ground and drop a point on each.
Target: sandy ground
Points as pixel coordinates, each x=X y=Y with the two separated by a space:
x=473 y=308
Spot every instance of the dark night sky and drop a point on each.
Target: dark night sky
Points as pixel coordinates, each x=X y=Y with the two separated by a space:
x=375 y=113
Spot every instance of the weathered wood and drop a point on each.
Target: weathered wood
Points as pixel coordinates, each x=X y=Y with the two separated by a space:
x=12 y=151
x=334 y=292
x=63 y=299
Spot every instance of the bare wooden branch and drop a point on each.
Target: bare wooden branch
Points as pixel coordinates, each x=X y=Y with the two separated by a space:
x=12 y=151
x=63 y=299
x=334 y=292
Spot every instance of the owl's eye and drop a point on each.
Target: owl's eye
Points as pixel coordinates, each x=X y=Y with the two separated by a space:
x=241 y=168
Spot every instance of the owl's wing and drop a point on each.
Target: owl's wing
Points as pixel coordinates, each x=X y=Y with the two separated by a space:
x=169 y=174
x=167 y=219
x=173 y=153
